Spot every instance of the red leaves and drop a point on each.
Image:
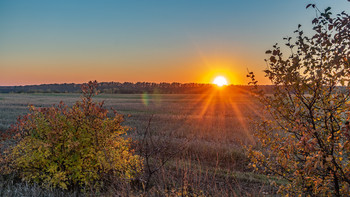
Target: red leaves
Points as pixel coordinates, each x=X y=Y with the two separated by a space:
x=89 y=89
x=304 y=142
x=72 y=146
x=330 y=27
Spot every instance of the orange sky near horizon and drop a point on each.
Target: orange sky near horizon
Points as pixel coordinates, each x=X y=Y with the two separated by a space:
x=202 y=69
x=45 y=42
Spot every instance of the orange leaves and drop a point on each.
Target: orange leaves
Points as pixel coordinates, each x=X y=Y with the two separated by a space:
x=73 y=146
x=306 y=141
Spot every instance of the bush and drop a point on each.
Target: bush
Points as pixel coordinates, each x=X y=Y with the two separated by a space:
x=72 y=147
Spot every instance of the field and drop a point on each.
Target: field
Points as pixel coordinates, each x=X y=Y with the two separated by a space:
x=194 y=140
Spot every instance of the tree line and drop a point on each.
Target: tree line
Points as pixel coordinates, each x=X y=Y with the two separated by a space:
x=130 y=88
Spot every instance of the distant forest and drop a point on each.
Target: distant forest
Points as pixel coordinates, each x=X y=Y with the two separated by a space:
x=128 y=88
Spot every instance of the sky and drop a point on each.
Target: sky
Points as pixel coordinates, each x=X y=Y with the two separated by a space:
x=65 y=41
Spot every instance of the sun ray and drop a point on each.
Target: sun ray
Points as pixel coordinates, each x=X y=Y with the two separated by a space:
x=241 y=120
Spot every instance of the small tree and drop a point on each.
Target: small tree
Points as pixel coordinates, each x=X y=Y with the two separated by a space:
x=303 y=137
x=72 y=147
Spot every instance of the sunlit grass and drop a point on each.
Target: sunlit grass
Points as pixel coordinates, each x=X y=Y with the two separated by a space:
x=214 y=123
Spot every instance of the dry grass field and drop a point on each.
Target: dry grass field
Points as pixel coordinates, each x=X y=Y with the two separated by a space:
x=193 y=142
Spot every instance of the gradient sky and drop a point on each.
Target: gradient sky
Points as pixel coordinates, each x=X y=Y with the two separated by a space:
x=74 y=41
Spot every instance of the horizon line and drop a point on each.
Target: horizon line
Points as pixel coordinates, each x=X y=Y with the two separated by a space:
x=122 y=83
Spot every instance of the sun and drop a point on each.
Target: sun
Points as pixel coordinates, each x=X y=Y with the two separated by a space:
x=220 y=81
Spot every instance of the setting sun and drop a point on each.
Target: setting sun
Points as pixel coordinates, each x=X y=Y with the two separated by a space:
x=220 y=81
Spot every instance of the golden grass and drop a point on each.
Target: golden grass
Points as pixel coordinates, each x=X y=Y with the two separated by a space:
x=209 y=127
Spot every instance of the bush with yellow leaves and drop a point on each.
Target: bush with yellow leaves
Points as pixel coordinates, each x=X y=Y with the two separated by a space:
x=72 y=147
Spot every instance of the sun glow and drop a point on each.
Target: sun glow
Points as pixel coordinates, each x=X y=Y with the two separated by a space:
x=220 y=81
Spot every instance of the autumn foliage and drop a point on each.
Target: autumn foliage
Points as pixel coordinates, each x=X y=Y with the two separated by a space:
x=72 y=147
x=304 y=135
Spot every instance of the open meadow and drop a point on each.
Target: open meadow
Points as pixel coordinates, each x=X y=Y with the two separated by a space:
x=196 y=98
x=191 y=142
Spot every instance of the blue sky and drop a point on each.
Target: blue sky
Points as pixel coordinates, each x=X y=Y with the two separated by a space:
x=45 y=41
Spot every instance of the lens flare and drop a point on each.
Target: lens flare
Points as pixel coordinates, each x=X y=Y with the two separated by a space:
x=145 y=99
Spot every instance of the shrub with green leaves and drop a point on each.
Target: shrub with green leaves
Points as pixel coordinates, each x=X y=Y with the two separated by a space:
x=69 y=147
